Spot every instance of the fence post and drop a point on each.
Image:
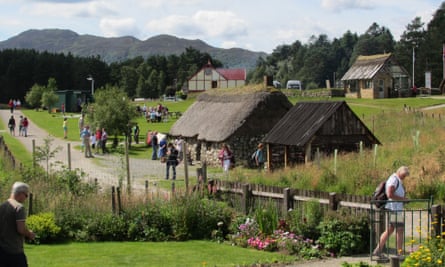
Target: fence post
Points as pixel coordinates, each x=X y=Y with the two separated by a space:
x=68 y=150
x=333 y=203
x=119 y=203
x=30 y=211
x=436 y=220
x=287 y=197
x=113 y=200
x=245 y=198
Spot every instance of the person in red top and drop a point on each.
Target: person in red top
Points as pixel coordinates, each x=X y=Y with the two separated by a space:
x=11 y=105
x=98 y=139
x=25 y=126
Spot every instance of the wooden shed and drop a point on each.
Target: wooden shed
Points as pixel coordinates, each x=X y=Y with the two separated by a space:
x=376 y=76
x=239 y=118
x=315 y=126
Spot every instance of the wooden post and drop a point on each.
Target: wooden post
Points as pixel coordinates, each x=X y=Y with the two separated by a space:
x=269 y=158
x=245 y=201
x=333 y=203
x=287 y=200
x=127 y=165
x=186 y=171
x=199 y=175
x=119 y=203
x=30 y=199
x=68 y=151
x=33 y=153
x=436 y=220
x=204 y=172
x=113 y=200
x=307 y=153
x=286 y=156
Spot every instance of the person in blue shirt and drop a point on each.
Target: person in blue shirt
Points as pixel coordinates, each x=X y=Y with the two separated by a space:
x=259 y=157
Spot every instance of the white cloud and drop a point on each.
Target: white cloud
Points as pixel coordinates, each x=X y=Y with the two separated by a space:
x=69 y=10
x=347 y=4
x=221 y=25
x=118 y=27
x=229 y=44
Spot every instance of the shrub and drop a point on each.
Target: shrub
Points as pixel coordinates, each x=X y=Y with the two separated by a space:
x=305 y=221
x=431 y=254
x=44 y=226
x=343 y=234
x=107 y=227
x=267 y=218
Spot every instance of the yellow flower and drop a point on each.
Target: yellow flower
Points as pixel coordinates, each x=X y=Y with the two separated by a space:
x=439 y=261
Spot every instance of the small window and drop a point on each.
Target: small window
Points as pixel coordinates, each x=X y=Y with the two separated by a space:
x=208 y=71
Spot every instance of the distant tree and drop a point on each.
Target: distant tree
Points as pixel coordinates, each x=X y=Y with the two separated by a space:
x=33 y=97
x=412 y=38
x=49 y=99
x=103 y=112
x=430 y=52
x=376 y=40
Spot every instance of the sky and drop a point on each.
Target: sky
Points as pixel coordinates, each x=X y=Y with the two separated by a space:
x=256 y=25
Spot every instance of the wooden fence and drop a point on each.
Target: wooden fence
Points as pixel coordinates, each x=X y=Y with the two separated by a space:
x=246 y=197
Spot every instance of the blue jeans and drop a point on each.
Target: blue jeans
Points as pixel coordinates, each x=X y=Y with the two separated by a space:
x=154 y=154
x=171 y=163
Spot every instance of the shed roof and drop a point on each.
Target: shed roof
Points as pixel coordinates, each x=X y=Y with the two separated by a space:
x=216 y=117
x=301 y=123
x=366 y=67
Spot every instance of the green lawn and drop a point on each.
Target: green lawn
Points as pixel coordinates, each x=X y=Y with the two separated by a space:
x=191 y=253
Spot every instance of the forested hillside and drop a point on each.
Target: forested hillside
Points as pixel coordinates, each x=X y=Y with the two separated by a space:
x=323 y=59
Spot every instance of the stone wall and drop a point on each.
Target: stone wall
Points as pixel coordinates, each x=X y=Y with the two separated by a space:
x=241 y=146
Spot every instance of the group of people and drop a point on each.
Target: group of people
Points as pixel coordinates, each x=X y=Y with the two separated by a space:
x=14 y=104
x=169 y=153
x=23 y=126
x=227 y=157
x=154 y=114
x=92 y=140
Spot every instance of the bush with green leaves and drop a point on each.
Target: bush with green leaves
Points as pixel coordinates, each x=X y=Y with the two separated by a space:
x=342 y=234
x=45 y=227
x=304 y=221
x=266 y=216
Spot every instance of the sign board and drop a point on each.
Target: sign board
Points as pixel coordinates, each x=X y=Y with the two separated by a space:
x=428 y=79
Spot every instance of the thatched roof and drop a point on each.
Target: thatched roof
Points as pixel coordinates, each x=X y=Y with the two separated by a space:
x=303 y=122
x=366 y=67
x=215 y=117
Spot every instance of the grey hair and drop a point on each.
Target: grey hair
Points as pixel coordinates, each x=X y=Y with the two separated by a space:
x=403 y=171
x=20 y=187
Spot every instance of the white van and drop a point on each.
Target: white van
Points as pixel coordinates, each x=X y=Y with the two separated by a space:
x=294 y=84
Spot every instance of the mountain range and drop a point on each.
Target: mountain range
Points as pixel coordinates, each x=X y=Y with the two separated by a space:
x=118 y=49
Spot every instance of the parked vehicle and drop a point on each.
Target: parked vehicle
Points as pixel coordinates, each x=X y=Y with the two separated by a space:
x=294 y=84
x=276 y=84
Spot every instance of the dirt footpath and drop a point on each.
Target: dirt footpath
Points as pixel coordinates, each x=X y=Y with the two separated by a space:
x=107 y=169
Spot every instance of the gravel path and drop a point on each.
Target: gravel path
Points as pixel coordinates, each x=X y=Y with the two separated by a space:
x=105 y=168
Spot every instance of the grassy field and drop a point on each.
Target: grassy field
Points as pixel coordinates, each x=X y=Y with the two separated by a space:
x=184 y=254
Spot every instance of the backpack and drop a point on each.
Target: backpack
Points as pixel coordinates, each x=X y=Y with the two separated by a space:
x=380 y=196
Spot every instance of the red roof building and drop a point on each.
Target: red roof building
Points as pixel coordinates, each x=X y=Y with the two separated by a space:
x=208 y=77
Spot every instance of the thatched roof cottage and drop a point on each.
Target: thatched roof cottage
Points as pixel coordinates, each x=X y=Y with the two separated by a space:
x=238 y=118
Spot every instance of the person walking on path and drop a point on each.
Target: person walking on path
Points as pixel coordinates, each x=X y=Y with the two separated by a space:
x=136 y=131
x=81 y=123
x=21 y=125
x=25 y=126
x=395 y=191
x=86 y=135
x=154 y=145
x=11 y=125
x=13 y=228
x=172 y=160
x=65 y=128
x=225 y=156
x=103 y=141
